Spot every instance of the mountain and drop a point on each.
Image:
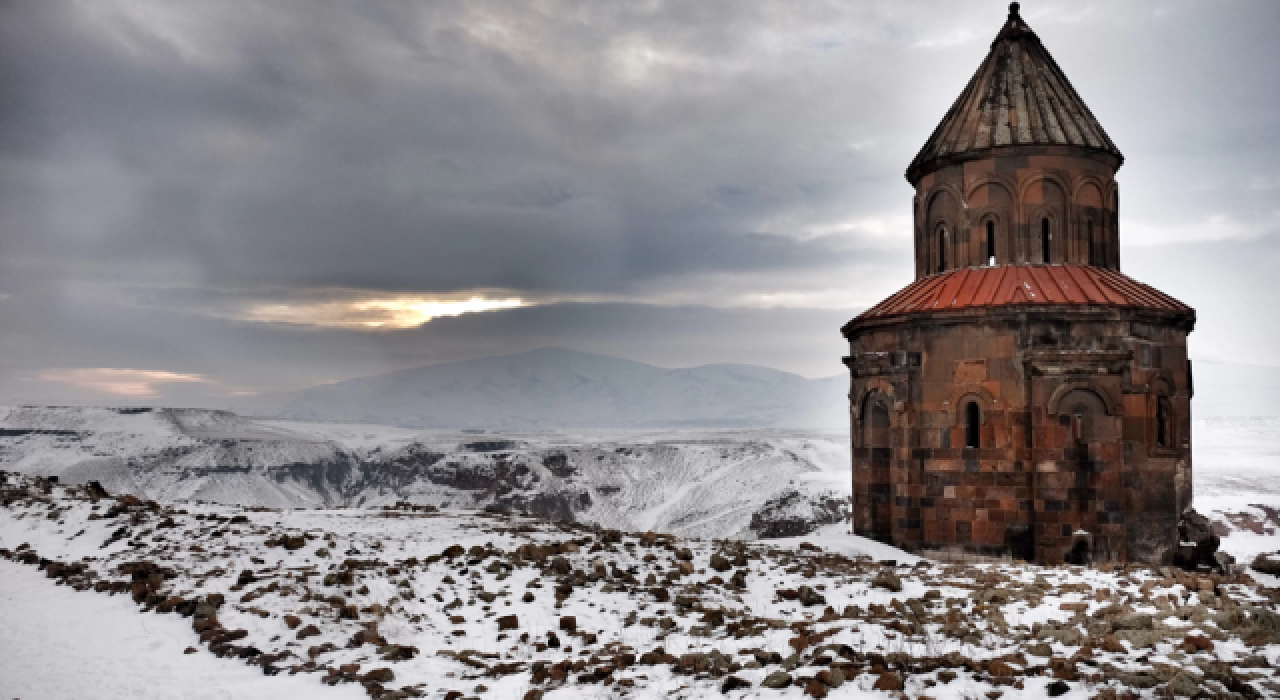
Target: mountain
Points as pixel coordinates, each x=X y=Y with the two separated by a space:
x=557 y=389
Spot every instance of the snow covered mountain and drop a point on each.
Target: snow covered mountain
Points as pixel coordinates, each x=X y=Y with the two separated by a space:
x=557 y=389
x=696 y=484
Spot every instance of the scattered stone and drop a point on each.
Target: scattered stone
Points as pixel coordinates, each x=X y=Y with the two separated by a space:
x=888 y=580
x=1183 y=685
x=777 y=679
x=1057 y=688
x=809 y=597
x=1267 y=563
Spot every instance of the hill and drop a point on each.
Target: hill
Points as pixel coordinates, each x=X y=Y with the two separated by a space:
x=557 y=389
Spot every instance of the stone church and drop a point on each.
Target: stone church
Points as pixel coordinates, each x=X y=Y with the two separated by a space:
x=1023 y=397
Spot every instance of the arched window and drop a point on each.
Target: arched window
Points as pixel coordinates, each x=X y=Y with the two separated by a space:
x=942 y=248
x=1045 y=238
x=1164 y=422
x=972 y=425
x=875 y=418
x=991 y=242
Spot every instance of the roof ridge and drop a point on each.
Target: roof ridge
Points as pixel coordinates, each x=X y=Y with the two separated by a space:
x=1018 y=96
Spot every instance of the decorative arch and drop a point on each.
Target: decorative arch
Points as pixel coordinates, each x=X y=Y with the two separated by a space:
x=992 y=205
x=1162 y=417
x=970 y=408
x=1088 y=207
x=986 y=401
x=1162 y=383
x=1033 y=212
x=875 y=385
x=1040 y=214
x=943 y=210
x=1112 y=403
x=1085 y=181
x=1037 y=178
x=876 y=427
x=1004 y=182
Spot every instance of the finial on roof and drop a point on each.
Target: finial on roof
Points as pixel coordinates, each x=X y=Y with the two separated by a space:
x=1013 y=9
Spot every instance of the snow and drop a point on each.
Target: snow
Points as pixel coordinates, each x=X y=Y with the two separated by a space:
x=59 y=644
x=415 y=590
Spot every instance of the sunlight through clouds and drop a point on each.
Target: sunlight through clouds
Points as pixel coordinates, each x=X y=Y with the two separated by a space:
x=119 y=382
x=374 y=314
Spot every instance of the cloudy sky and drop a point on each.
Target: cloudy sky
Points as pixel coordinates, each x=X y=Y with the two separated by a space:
x=208 y=199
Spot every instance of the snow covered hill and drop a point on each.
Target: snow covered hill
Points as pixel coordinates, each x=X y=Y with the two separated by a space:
x=557 y=389
x=696 y=484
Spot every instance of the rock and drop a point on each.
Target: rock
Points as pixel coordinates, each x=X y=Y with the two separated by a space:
x=1140 y=639
x=888 y=580
x=888 y=681
x=1040 y=649
x=1057 y=688
x=569 y=623
x=508 y=622
x=732 y=683
x=292 y=621
x=1134 y=621
x=190 y=650
x=397 y=652
x=534 y=694
x=379 y=675
x=95 y=491
x=807 y=597
x=308 y=631
x=777 y=679
x=1183 y=685
x=1000 y=668
x=1225 y=562
x=1193 y=643
x=719 y=563
x=834 y=677
x=1267 y=563
x=815 y=688
x=1196 y=530
x=1112 y=645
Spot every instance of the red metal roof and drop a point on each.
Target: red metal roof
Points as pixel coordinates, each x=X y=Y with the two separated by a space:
x=1023 y=285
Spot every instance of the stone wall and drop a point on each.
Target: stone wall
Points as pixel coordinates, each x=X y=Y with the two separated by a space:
x=1076 y=195
x=1067 y=435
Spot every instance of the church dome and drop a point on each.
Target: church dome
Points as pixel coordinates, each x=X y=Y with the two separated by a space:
x=1018 y=97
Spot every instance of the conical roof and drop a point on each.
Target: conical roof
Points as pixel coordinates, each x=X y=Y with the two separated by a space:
x=1019 y=97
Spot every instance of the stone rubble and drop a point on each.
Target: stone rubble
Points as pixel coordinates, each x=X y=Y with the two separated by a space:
x=519 y=607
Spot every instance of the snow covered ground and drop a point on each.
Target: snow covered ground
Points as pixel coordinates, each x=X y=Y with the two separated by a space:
x=60 y=645
x=412 y=601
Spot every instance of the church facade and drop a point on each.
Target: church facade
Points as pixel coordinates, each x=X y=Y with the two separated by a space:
x=1022 y=397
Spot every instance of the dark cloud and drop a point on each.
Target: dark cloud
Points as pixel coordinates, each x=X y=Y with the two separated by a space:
x=162 y=165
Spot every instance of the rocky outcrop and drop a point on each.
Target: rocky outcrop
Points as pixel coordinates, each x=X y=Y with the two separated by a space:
x=1198 y=545
x=793 y=513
